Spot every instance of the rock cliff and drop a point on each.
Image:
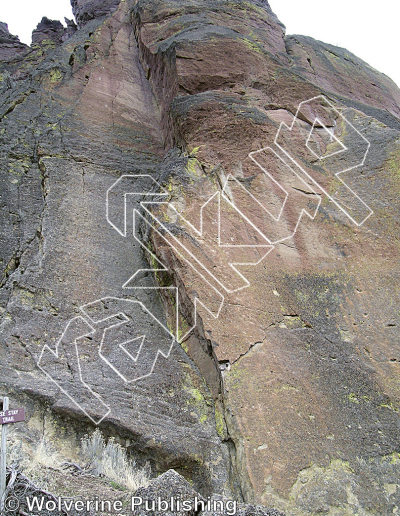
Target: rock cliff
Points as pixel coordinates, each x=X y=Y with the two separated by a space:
x=259 y=291
x=10 y=45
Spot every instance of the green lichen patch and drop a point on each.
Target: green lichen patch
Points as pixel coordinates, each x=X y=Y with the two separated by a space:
x=199 y=403
x=392 y=165
x=219 y=422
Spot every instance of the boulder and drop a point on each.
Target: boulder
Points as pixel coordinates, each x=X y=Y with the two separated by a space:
x=165 y=496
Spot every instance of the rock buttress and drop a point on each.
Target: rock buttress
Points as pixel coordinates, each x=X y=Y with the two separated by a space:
x=309 y=349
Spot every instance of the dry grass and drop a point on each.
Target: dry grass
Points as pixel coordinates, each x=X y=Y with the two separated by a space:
x=110 y=460
x=37 y=462
x=40 y=460
x=45 y=455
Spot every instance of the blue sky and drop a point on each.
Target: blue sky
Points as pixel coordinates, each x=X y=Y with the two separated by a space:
x=370 y=33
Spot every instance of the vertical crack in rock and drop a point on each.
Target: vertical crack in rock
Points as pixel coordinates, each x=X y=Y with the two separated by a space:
x=200 y=350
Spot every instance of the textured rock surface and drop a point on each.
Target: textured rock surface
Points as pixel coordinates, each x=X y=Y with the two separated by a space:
x=10 y=46
x=84 y=116
x=48 y=30
x=174 y=490
x=306 y=400
x=85 y=10
x=304 y=416
x=245 y=510
x=337 y=71
x=167 y=485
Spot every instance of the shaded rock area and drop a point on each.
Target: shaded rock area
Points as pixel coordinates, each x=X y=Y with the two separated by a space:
x=10 y=46
x=19 y=487
x=71 y=28
x=85 y=10
x=281 y=385
x=171 y=485
x=48 y=30
x=61 y=156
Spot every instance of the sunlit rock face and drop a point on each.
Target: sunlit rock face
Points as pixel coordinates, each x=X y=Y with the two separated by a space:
x=286 y=392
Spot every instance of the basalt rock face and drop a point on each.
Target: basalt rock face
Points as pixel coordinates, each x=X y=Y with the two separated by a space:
x=85 y=10
x=5 y=35
x=10 y=46
x=286 y=391
x=71 y=28
x=339 y=72
x=83 y=116
x=48 y=30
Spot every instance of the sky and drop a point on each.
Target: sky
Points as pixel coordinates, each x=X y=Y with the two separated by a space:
x=370 y=33
x=370 y=30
